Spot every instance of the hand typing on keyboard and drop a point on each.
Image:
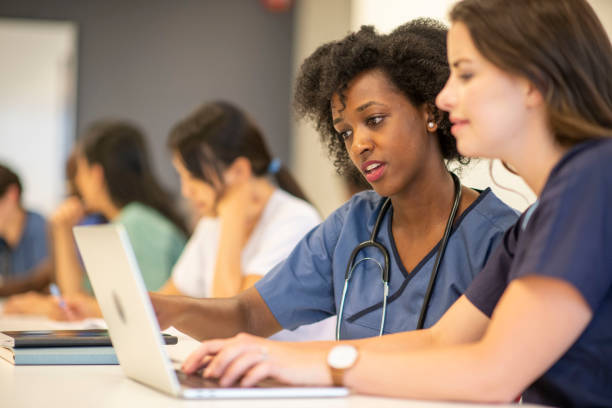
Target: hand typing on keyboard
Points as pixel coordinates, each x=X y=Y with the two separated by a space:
x=246 y=360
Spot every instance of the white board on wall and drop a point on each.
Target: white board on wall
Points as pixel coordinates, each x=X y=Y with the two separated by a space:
x=37 y=105
x=386 y=15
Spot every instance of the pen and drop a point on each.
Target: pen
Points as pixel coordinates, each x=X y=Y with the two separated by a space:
x=55 y=292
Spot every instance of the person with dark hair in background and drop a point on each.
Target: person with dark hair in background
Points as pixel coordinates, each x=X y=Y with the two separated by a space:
x=72 y=211
x=115 y=179
x=24 y=258
x=530 y=84
x=248 y=225
x=372 y=98
x=61 y=249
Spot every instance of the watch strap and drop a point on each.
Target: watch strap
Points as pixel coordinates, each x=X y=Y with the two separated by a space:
x=337 y=376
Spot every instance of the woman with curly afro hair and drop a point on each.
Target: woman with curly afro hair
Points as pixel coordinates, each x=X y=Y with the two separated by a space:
x=371 y=97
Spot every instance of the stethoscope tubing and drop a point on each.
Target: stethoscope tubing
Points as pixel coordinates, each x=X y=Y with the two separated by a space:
x=445 y=237
x=385 y=269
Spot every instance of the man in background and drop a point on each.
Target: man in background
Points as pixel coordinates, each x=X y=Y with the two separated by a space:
x=24 y=255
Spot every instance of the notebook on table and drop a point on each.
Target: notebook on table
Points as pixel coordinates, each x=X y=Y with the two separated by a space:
x=60 y=347
x=113 y=271
x=61 y=338
x=77 y=355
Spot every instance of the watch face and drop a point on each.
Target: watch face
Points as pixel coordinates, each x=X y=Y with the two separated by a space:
x=342 y=356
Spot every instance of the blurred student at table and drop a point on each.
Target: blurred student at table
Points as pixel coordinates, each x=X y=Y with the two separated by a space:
x=115 y=179
x=24 y=258
x=253 y=211
x=72 y=211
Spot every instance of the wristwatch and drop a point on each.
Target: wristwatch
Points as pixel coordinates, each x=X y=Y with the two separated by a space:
x=339 y=359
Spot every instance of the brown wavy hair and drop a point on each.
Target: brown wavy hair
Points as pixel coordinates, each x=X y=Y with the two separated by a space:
x=558 y=45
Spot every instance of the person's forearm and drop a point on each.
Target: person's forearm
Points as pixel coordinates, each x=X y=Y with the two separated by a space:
x=38 y=279
x=210 y=318
x=480 y=359
x=217 y=318
x=397 y=342
x=458 y=373
x=68 y=271
x=228 y=279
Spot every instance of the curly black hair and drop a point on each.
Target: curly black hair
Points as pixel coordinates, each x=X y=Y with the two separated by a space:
x=413 y=57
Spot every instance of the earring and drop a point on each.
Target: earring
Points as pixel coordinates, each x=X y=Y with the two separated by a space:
x=431 y=124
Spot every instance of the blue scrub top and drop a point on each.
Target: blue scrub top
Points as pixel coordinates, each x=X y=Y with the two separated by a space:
x=307 y=287
x=31 y=249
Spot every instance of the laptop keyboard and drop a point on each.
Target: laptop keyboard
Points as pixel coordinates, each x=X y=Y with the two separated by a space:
x=197 y=381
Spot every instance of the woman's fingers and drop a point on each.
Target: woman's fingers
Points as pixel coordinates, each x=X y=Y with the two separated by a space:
x=247 y=360
x=68 y=213
x=260 y=371
x=241 y=364
x=201 y=356
x=74 y=309
x=231 y=349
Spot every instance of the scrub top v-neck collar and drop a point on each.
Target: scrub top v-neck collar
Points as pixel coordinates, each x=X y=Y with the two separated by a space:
x=408 y=276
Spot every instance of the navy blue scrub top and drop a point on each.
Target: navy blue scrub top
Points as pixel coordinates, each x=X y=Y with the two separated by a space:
x=307 y=287
x=566 y=235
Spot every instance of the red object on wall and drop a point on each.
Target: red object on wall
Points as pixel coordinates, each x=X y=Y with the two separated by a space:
x=277 y=5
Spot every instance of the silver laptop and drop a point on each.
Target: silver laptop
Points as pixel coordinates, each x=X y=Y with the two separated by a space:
x=134 y=331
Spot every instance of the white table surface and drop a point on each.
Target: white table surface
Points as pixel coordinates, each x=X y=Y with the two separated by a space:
x=107 y=386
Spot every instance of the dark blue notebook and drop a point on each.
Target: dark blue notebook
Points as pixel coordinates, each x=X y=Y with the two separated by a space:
x=61 y=338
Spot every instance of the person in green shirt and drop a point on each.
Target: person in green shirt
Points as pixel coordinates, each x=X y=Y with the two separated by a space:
x=114 y=178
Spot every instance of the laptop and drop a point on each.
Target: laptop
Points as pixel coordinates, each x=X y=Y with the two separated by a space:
x=114 y=274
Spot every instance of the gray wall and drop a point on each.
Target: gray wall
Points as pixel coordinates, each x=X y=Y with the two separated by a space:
x=153 y=61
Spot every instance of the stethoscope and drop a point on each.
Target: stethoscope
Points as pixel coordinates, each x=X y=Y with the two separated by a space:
x=384 y=268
